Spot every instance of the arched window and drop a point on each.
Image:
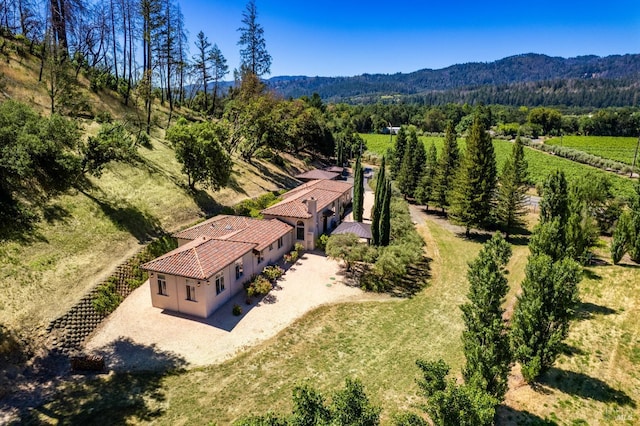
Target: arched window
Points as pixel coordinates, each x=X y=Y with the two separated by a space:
x=300 y=230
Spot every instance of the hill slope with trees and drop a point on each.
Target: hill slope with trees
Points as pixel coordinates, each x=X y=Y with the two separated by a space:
x=528 y=79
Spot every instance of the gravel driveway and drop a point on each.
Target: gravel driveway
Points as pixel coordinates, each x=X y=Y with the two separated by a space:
x=138 y=336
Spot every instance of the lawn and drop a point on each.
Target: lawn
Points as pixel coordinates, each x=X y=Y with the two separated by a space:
x=597 y=380
x=614 y=148
x=540 y=163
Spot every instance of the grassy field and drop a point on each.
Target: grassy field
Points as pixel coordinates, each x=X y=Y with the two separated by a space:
x=540 y=163
x=614 y=148
x=595 y=382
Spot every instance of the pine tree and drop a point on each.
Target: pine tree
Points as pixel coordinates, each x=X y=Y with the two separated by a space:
x=550 y=234
x=446 y=169
x=513 y=187
x=376 y=212
x=425 y=185
x=542 y=313
x=385 y=216
x=413 y=164
x=473 y=198
x=358 y=191
x=485 y=341
x=395 y=162
x=254 y=56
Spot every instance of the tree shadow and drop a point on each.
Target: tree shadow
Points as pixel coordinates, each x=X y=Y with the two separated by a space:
x=413 y=281
x=138 y=223
x=570 y=351
x=583 y=386
x=590 y=274
x=587 y=310
x=206 y=203
x=120 y=398
x=234 y=184
x=507 y=416
x=282 y=180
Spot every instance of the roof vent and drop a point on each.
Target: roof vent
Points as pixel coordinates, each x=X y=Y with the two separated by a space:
x=228 y=227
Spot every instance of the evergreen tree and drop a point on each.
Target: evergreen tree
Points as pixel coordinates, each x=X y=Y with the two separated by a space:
x=424 y=190
x=550 y=234
x=555 y=198
x=397 y=154
x=201 y=63
x=413 y=164
x=485 y=341
x=542 y=313
x=446 y=169
x=358 y=191
x=376 y=212
x=512 y=191
x=473 y=198
x=626 y=235
x=385 y=216
x=254 y=56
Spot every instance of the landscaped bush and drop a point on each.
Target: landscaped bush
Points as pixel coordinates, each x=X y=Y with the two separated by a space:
x=299 y=248
x=321 y=242
x=107 y=298
x=273 y=272
x=237 y=310
x=253 y=206
x=261 y=285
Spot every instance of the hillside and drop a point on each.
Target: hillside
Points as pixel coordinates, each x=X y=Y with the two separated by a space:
x=83 y=233
x=530 y=75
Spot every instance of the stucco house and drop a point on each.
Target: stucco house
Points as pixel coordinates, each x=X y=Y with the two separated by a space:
x=213 y=261
x=216 y=257
x=313 y=208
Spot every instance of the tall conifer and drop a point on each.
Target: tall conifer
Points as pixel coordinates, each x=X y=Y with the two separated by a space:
x=376 y=212
x=446 y=169
x=358 y=191
x=512 y=200
x=473 y=199
x=385 y=216
x=485 y=341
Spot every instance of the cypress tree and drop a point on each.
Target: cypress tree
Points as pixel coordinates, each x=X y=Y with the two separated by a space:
x=626 y=235
x=550 y=234
x=446 y=169
x=377 y=204
x=385 y=216
x=542 y=313
x=473 y=198
x=513 y=187
x=485 y=341
x=358 y=191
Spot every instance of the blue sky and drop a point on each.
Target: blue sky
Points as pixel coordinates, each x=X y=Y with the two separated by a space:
x=345 y=38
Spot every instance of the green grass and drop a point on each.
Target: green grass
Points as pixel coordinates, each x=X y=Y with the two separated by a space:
x=614 y=148
x=540 y=164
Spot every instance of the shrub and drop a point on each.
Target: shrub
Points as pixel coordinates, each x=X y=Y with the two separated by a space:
x=104 y=117
x=261 y=285
x=321 y=242
x=273 y=272
x=294 y=256
x=237 y=310
x=299 y=248
x=107 y=298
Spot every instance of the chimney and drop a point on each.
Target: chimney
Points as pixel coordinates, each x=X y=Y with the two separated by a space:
x=312 y=206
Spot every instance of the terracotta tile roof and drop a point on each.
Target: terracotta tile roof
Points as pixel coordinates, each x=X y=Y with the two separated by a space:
x=293 y=205
x=317 y=174
x=262 y=233
x=199 y=259
x=329 y=185
x=216 y=227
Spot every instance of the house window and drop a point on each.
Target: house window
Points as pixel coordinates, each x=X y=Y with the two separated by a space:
x=219 y=283
x=280 y=242
x=300 y=230
x=162 y=285
x=191 y=291
x=261 y=256
x=270 y=246
x=239 y=268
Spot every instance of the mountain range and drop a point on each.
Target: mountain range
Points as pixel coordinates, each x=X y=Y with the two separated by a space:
x=615 y=77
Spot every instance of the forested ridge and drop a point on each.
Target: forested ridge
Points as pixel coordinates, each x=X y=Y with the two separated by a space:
x=528 y=79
